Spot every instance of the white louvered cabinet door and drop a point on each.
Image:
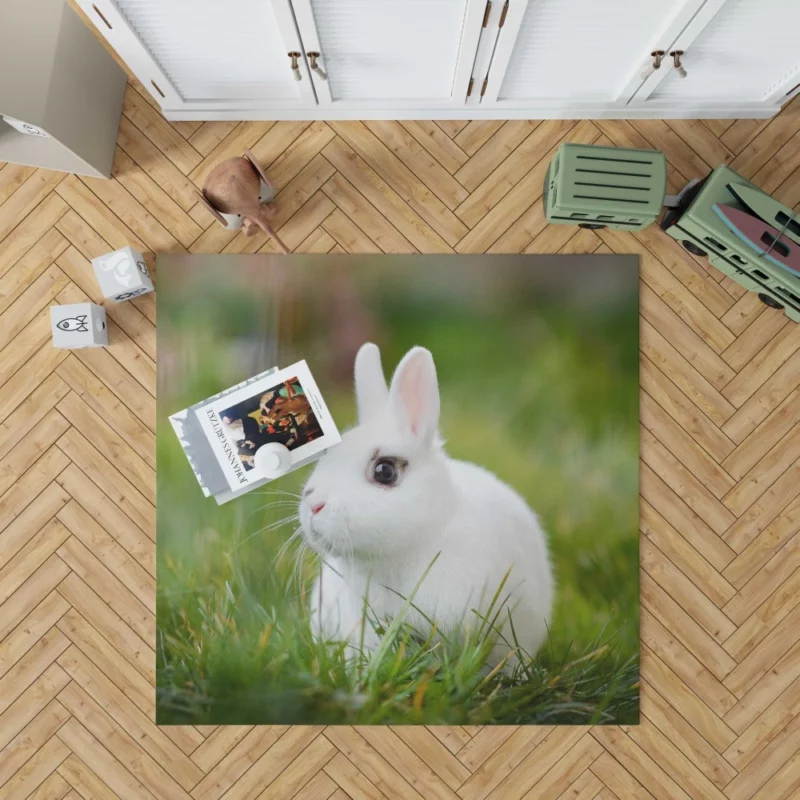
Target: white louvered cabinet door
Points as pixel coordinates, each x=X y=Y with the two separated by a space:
x=746 y=51
x=578 y=54
x=206 y=53
x=388 y=54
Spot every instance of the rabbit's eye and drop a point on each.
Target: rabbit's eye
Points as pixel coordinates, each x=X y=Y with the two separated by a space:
x=385 y=472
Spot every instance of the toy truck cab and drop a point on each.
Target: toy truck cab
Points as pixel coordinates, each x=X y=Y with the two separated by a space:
x=701 y=231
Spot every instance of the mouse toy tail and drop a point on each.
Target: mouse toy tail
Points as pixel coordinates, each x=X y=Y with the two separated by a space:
x=263 y=223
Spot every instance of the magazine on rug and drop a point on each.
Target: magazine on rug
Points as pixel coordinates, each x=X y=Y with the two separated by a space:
x=222 y=435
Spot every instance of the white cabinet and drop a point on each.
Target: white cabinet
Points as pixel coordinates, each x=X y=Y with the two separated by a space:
x=570 y=53
x=734 y=51
x=218 y=56
x=339 y=59
x=405 y=53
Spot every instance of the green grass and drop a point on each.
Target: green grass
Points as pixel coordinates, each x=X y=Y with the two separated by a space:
x=233 y=661
x=561 y=383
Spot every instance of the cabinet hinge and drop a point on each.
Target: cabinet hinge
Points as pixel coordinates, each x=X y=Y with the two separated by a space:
x=503 y=15
x=483 y=88
x=469 y=88
x=487 y=12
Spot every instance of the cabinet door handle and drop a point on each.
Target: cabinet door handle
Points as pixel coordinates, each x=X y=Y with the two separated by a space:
x=657 y=55
x=295 y=66
x=676 y=60
x=313 y=56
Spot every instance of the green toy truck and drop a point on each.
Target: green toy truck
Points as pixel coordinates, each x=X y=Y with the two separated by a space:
x=701 y=231
x=613 y=187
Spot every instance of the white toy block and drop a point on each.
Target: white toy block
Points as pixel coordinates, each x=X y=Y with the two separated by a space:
x=78 y=325
x=122 y=274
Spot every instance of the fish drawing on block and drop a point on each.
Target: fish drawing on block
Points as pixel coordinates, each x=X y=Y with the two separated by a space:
x=74 y=324
x=764 y=239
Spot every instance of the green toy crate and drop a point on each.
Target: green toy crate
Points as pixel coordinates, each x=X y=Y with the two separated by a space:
x=697 y=227
x=605 y=187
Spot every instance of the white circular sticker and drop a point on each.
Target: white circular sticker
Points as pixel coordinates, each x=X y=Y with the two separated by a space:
x=272 y=460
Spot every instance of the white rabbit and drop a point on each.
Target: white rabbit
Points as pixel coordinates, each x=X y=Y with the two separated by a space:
x=382 y=504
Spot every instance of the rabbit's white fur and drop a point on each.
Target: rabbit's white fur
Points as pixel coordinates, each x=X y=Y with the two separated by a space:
x=381 y=538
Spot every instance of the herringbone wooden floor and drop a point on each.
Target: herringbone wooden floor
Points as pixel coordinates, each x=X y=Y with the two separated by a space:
x=720 y=410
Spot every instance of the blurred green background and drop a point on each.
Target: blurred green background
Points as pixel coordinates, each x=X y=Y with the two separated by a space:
x=537 y=358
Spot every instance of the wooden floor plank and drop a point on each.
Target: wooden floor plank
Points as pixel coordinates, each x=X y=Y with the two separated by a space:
x=685 y=449
x=770 y=614
x=437 y=143
x=30 y=230
x=136 y=541
x=35 y=735
x=301 y=149
x=109 y=588
x=136 y=108
x=303 y=222
x=452 y=127
x=494 y=152
x=503 y=213
x=23 y=531
x=391 y=169
x=25 y=199
x=683 y=556
x=427 y=169
x=353 y=204
x=494 y=186
x=12 y=176
x=100 y=722
x=670 y=730
x=109 y=479
x=691 y=419
x=686 y=666
x=209 y=135
x=84 y=781
x=17 y=280
x=128 y=461
x=385 y=199
x=37 y=773
x=155 y=164
x=113 y=629
x=108 y=770
x=31 y=629
x=93 y=645
x=154 y=199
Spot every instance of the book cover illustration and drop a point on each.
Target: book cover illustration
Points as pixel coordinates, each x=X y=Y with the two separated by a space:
x=222 y=434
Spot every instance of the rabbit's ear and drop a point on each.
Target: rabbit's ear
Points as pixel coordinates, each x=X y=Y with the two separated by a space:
x=414 y=396
x=372 y=393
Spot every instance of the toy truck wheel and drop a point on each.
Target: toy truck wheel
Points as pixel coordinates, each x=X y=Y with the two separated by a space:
x=693 y=248
x=592 y=226
x=769 y=301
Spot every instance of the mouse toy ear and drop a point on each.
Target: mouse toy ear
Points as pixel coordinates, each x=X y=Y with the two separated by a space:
x=372 y=394
x=213 y=211
x=261 y=174
x=414 y=395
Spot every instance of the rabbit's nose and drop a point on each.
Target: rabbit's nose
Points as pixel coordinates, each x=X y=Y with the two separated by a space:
x=317 y=507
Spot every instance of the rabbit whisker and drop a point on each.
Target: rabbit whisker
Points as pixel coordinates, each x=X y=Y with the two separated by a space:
x=276 y=504
x=272 y=526
x=280 y=492
x=285 y=546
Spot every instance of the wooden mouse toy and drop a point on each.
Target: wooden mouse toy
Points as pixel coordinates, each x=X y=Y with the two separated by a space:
x=239 y=194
